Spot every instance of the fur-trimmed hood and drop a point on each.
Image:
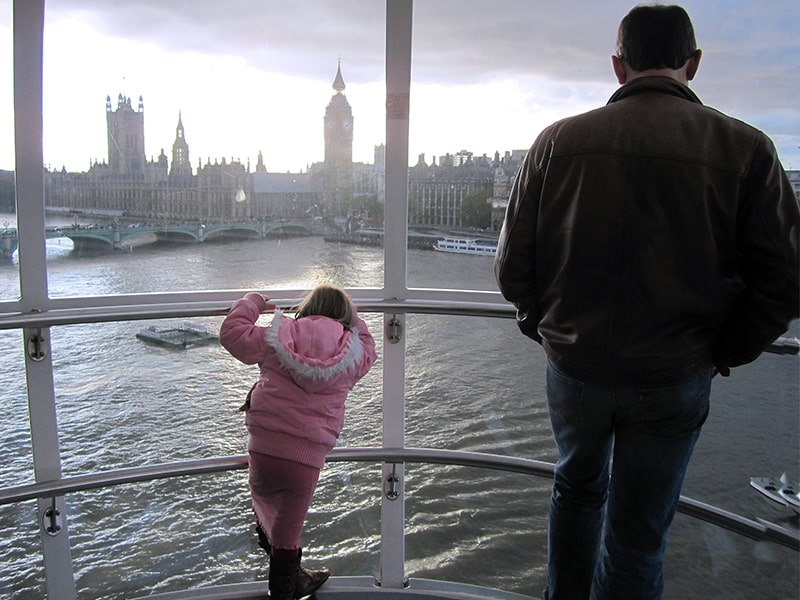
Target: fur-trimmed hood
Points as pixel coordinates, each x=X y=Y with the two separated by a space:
x=314 y=347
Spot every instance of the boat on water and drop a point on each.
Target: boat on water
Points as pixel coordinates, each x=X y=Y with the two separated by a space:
x=462 y=245
x=184 y=335
x=780 y=490
x=60 y=491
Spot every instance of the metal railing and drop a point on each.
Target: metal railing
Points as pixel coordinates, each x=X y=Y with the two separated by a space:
x=132 y=307
x=759 y=530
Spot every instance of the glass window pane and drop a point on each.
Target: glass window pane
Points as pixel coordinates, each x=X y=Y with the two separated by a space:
x=211 y=135
x=115 y=390
x=124 y=402
x=9 y=257
x=472 y=384
x=9 y=278
x=486 y=80
x=488 y=77
x=18 y=573
x=17 y=465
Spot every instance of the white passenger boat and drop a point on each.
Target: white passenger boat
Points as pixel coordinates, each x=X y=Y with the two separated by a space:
x=792 y=496
x=780 y=490
x=459 y=245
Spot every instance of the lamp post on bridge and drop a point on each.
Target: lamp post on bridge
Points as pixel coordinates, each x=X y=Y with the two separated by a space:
x=9 y=242
x=116 y=233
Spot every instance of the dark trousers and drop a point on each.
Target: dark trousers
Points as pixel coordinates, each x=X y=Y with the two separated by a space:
x=648 y=436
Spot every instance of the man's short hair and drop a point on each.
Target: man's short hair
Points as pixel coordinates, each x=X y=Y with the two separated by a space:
x=654 y=36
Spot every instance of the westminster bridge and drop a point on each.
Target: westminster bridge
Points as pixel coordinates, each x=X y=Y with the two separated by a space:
x=120 y=236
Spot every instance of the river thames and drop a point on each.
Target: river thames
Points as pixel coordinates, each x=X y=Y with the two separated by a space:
x=472 y=384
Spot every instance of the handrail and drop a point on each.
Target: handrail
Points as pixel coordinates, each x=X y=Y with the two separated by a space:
x=759 y=530
x=94 y=309
x=78 y=310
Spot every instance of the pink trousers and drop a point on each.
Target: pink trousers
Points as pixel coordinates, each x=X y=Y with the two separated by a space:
x=281 y=491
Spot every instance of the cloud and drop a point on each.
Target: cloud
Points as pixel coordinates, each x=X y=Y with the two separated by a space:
x=301 y=36
x=455 y=41
x=495 y=71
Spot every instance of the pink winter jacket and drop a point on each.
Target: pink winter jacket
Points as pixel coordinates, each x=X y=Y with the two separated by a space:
x=308 y=366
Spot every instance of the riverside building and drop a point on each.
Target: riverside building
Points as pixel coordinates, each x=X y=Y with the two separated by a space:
x=131 y=188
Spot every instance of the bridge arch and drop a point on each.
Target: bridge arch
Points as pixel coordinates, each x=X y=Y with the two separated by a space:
x=287 y=228
x=91 y=239
x=232 y=230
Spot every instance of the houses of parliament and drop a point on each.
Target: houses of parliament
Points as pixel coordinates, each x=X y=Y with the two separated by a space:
x=335 y=190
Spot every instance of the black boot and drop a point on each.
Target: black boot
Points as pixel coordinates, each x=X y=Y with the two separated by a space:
x=309 y=580
x=263 y=540
x=283 y=568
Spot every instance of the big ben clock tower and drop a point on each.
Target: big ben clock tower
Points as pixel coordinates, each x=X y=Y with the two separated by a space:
x=338 y=149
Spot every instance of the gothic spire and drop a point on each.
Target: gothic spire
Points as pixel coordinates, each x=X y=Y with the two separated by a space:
x=338 y=83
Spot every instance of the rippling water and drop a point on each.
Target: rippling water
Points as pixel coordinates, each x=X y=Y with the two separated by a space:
x=472 y=384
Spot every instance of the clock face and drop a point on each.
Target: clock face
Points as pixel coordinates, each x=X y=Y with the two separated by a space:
x=346 y=124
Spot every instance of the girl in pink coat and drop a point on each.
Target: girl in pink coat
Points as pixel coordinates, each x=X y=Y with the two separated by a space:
x=294 y=413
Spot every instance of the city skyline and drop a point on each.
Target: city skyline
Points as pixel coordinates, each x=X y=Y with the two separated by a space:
x=246 y=78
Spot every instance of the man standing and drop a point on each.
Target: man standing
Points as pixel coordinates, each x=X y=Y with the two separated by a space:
x=646 y=244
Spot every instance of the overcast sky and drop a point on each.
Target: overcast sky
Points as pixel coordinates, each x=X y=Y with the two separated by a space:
x=486 y=76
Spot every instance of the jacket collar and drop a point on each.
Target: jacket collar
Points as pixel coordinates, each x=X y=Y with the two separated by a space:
x=658 y=85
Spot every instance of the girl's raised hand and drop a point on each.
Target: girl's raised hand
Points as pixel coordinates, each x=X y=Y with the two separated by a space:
x=261 y=301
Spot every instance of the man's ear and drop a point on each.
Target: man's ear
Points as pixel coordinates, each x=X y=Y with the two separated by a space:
x=619 y=69
x=693 y=63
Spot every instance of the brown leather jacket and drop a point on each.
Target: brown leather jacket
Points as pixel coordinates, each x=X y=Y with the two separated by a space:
x=651 y=238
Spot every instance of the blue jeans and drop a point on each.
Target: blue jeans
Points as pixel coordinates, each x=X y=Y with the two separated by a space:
x=651 y=433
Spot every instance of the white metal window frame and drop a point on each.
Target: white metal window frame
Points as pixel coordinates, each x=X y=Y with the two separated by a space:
x=35 y=312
